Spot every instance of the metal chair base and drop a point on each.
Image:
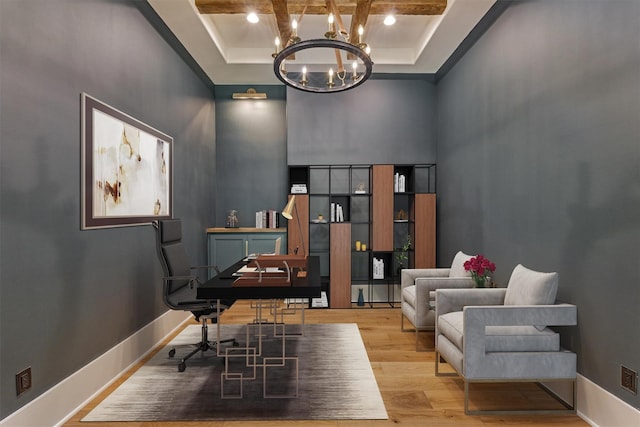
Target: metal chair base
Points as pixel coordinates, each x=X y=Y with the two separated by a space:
x=416 y=330
x=569 y=408
x=202 y=346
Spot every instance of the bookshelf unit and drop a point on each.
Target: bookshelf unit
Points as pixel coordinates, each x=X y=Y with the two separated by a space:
x=376 y=219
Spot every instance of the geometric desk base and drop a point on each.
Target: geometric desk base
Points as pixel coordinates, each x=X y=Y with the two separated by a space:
x=272 y=366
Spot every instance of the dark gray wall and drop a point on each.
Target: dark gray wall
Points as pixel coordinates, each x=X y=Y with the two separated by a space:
x=66 y=295
x=382 y=121
x=539 y=163
x=251 y=156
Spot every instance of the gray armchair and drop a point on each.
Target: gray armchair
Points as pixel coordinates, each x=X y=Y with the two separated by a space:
x=503 y=335
x=418 y=288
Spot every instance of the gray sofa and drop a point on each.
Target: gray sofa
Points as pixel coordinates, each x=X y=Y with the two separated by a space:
x=503 y=335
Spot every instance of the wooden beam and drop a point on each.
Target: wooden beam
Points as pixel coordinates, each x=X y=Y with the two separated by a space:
x=319 y=7
x=283 y=21
x=359 y=18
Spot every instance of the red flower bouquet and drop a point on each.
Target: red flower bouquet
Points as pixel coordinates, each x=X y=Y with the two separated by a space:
x=480 y=268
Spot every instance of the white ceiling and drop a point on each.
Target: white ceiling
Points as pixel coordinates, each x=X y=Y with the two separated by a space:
x=230 y=50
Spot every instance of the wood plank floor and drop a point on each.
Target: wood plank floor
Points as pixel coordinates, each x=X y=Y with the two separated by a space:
x=412 y=394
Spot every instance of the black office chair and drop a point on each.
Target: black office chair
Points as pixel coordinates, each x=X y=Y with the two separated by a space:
x=179 y=285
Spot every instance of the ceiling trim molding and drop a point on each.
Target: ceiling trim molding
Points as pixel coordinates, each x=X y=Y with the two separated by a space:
x=474 y=35
x=159 y=25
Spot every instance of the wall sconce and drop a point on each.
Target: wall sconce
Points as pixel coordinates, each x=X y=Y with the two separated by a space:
x=249 y=94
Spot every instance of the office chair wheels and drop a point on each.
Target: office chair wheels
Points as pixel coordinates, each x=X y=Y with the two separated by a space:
x=172 y=353
x=182 y=366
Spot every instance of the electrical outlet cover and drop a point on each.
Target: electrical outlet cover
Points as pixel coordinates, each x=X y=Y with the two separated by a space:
x=629 y=379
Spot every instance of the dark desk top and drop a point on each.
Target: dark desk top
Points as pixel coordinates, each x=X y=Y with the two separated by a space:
x=221 y=286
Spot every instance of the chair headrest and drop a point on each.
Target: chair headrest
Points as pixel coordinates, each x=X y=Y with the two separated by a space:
x=170 y=230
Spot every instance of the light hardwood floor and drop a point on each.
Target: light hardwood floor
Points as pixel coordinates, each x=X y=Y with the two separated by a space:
x=412 y=394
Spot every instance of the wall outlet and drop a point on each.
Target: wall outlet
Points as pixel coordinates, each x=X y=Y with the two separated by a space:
x=629 y=379
x=23 y=381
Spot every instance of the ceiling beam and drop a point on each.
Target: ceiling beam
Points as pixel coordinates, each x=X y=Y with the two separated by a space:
x=283 y=21
x=359 y=18
x=319 y=7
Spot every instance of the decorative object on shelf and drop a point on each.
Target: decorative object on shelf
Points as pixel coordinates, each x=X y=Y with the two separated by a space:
x=402 y=254
x=363 y=246
x=319 y=219
x=378 y=268
x=401 y=216
x=358 y=245
x=310 y=72
x=360 y=298
x=480 y=268
x=399 y=183
x=360 y=189
x=232 y=219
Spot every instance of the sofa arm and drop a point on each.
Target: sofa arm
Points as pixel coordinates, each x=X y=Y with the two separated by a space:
x=409 y=275
x=477 y=317
x=479 y=364
x=448 y=300
x=434 y=283
x=426 y=287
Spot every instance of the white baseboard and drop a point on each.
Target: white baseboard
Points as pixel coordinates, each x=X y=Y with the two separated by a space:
x=598 y=407
x=61 y=402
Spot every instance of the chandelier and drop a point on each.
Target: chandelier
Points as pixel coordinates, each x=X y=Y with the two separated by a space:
x=302 y=64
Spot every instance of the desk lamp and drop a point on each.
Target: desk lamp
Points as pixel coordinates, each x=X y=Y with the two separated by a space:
x=287 y=212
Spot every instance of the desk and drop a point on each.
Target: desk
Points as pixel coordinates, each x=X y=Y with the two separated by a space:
x=221 y=286
x=251 y=354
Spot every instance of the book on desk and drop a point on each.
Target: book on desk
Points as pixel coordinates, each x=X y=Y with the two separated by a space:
x=272 y=270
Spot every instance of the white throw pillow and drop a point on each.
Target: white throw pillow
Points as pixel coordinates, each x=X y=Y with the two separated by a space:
x=457 y=265
x=528 y=287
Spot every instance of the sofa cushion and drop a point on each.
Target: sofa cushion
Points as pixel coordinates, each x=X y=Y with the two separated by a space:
x=528 y=287
x=457 y=265
x=451 y=326
x=500 y=338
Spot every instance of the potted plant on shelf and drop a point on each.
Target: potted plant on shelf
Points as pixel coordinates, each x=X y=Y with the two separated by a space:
x=402 y=254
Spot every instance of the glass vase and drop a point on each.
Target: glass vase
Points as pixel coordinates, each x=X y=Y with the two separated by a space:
x=481 y=282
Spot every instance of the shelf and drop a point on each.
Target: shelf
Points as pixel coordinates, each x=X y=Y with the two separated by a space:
x=370 y=206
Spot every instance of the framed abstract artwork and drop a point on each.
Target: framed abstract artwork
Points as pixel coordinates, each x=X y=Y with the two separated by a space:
x=127 y=174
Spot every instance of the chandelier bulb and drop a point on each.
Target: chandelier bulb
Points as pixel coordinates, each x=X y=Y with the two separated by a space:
x=294 y=32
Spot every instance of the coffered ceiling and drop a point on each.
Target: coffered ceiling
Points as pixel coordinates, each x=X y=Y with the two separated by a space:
x=230 y=50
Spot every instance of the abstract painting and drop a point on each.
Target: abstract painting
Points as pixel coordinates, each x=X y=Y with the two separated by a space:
x=127 y=172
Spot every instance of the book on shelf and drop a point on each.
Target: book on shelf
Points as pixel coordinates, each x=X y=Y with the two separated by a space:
x=267 y=218
x=299 y=189
x=399 y=183
x=337 y=214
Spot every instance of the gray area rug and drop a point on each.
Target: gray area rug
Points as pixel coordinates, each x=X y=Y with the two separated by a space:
x=335 y=382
